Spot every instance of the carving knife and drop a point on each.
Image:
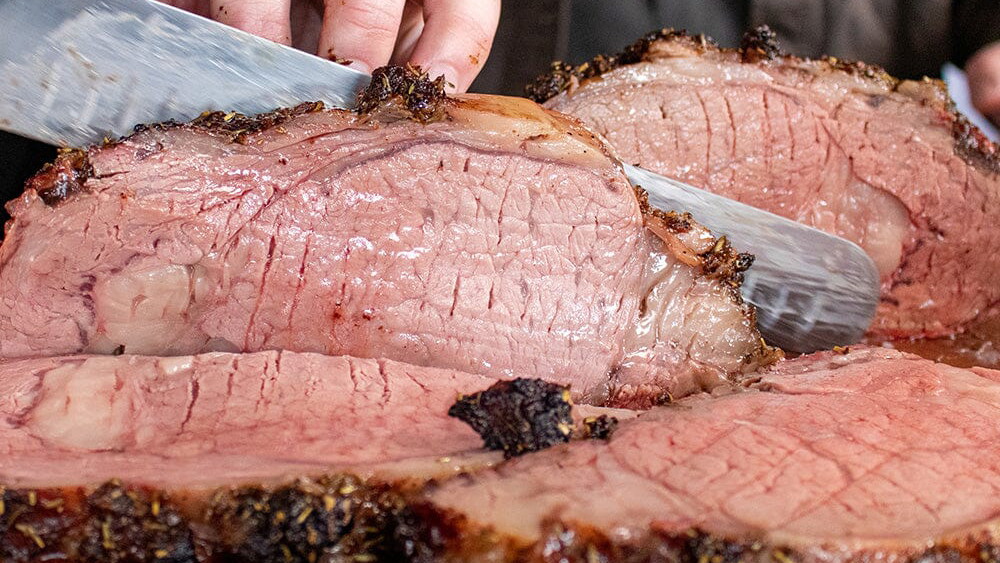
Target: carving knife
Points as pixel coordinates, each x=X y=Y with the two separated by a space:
x=75 y=71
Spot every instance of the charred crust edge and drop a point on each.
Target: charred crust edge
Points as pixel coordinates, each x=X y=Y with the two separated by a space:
x=404 y=89
x=344 y=518
x=112 y=523
x=761 y=45
x=302 y=522
x=581 y=543
x=563 y=76
x=66 y=176
x=234 y=126
x=518 y=416
x=237 y=126
x=722 y=263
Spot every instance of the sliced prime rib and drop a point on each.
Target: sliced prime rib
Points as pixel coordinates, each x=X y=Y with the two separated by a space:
x=864 y=456
x=870 y=455
x=119 y=458
x=841 y=146
x=221 y=419
x=478 y=233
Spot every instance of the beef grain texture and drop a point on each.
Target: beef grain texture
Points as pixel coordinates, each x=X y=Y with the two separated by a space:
x=220 y=419
x=840 y=146
x=865 y=456
x=872 y=455
x=496 y=238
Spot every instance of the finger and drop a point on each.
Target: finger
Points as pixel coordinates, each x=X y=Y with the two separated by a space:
x=983 y=70
x=362 y=31
x=200 y=7
x=266 y=18
x=456 y=39
x=409 y=32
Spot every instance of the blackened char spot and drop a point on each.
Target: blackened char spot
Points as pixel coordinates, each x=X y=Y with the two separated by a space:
x=405 y=88
x=66 y=176
x=759 y=44
x=599 y=427
x=519 y=416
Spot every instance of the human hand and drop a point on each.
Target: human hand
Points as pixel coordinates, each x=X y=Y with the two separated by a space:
x=449 y=37
x=983 y=70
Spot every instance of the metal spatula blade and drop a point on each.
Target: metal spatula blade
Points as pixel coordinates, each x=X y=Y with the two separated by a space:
x=812 y=290
x=73 y=71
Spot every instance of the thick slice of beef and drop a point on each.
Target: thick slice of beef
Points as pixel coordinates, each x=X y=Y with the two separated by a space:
x=840 y=146
x=220 y=419
x=869 y=455
x=865 y=456
x=488 y=236
x=137 y=458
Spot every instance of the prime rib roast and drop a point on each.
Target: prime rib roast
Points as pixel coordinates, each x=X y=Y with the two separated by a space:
x=839 y=145
x=301 y=338
x=840 y=456
x=489 y=236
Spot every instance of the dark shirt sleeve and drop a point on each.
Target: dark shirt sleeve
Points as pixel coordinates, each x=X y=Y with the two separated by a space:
x=974 y=24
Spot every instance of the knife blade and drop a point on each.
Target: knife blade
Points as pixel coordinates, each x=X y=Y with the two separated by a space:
x=76 y=71
x=79 y=70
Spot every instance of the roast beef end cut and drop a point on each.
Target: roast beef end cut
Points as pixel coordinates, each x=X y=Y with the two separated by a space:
x=492 y=237
x=839 y=145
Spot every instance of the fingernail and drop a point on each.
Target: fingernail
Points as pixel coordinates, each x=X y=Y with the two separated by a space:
x=450 y=76
x=361 y=65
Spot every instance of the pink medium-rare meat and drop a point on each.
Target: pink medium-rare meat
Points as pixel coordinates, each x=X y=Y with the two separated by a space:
x=872 y=455
x=215 y=419
x=492 y=237
x=264 y=456
x=865 y=456
x=840 y=146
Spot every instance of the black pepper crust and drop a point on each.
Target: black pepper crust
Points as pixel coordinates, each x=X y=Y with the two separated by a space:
x=518 y=416
x=406 y=89
x=599 y=427
x=722 y=262
x=760 y=46
x=344 y=518
x=113 y=524
x=337 y=518
x=562 y=542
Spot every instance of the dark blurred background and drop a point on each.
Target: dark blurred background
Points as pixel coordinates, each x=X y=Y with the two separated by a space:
x=910 y=38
